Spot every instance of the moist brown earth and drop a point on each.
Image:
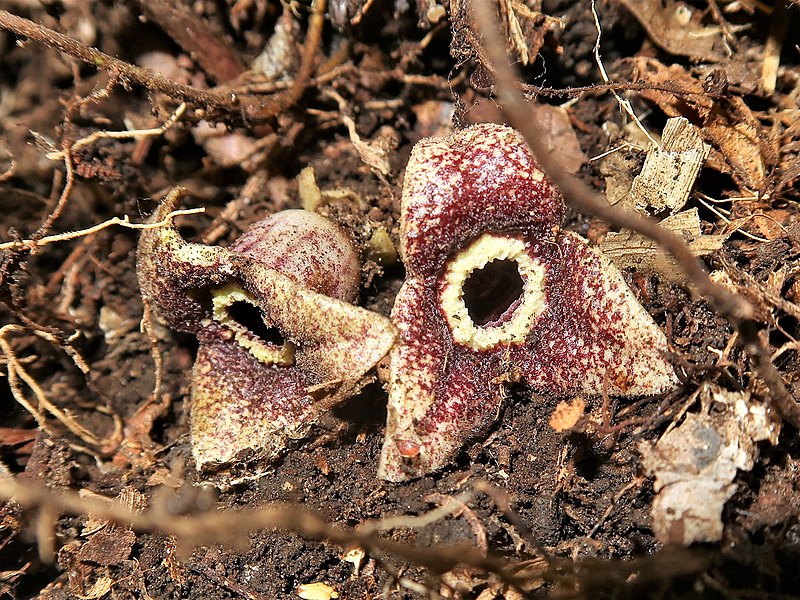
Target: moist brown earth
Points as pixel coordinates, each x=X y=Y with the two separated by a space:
x=567 y=512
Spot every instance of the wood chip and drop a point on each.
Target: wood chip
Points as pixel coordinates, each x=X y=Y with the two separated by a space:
x=669 y=172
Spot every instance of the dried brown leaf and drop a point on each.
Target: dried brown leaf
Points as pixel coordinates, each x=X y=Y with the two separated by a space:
x=731 y=128
x=560 y=136
x=676 y=28
x=695 y=464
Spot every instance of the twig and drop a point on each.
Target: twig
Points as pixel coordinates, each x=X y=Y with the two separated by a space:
x=230 y=527
x=609 y=86
x=726 y=29
x=71 y=235
x=459 y=508
x=252 y=108
x=302 y=79
x=313 y=38
x=736 y=309
x=269 y=87
x=445 y=509
x=149 y=79
x=500 y=499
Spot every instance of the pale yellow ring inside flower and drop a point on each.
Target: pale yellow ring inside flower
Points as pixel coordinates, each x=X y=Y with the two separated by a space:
x=222 y=299
x=532 y=302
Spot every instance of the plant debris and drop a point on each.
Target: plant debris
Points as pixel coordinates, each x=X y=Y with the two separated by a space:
x=695 y=464
x=671 y=129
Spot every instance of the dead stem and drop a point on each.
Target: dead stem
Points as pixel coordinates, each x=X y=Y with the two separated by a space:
x=144 y=77
x=253 y=109
x=459 y=508
x=301 y=79
x=736 y=309
x=231 y=527
x=611 y=86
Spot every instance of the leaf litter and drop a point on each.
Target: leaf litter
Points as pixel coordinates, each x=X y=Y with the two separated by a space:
x=347 y=93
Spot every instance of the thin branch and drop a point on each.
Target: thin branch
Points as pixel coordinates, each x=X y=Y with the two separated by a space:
x=71 y=235
x=249 y=107
x=313 y=38
x=610 y=86
x=149 y=79
x=736 y=309
x=230 y=527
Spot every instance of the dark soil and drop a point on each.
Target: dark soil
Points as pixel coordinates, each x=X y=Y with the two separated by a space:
x=580 y=501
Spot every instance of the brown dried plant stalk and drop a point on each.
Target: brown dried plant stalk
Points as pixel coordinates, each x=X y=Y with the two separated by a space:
x=230 y=527
x=250 y=108
x=738 y=311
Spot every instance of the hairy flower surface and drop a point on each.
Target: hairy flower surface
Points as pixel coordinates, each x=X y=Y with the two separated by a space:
x=495 y=292
x=279 y=341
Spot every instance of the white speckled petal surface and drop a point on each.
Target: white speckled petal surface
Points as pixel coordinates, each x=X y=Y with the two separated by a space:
x=250 y=396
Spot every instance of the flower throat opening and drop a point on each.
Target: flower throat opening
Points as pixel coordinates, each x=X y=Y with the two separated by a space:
x=490 y=291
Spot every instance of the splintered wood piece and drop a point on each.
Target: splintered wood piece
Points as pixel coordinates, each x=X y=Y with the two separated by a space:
x=669 y=172
x=628 y=249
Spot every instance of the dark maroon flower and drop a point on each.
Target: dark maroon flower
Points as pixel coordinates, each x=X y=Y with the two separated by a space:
x=497 y=292
x=280 y=342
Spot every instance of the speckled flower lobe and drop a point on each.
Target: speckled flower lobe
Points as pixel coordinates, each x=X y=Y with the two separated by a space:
x=279 y=341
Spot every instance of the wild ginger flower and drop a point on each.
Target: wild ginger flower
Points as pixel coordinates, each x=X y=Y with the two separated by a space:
x=279 y=341
x=496 y=292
